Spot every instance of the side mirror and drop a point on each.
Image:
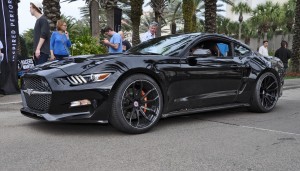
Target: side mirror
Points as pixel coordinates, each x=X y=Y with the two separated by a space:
x=202 y=53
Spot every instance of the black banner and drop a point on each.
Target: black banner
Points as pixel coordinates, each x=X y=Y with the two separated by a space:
x=9 y=33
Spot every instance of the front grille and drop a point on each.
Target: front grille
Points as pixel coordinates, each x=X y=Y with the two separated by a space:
x=36 y=83
x=37 y=101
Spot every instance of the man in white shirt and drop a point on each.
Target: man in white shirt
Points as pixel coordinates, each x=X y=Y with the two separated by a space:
x=264 y=49
x=150 y=34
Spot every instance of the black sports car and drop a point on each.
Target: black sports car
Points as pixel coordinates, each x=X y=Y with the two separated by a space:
x=163 y=77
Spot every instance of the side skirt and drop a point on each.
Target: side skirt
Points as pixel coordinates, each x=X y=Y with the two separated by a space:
x=205 y=109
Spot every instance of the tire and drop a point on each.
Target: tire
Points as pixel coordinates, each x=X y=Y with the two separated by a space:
x=136 y=105
x=266 y=93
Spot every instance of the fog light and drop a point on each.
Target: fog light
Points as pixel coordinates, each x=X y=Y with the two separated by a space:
x=83 y=102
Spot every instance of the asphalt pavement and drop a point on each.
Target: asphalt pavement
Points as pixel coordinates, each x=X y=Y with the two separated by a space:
x=6 y=100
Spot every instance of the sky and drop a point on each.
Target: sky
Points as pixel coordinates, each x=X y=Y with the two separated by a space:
x=27 y=21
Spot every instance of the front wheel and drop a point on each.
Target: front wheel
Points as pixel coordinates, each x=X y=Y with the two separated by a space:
x=265 y=94
x=137 y=104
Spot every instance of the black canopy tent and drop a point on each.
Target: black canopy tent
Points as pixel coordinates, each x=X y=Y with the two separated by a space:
x=9 y=33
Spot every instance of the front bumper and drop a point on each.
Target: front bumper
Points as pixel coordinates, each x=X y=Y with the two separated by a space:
x=59 y=108
x=76 y=117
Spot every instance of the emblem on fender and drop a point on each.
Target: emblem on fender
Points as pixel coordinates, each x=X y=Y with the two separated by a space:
x=30 y=92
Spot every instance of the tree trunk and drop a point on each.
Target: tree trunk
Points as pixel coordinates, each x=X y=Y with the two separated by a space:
x=173 y=27
x=265 y=35
x=158 y=20
x=210 y=16
x=247 y=40
x=240 y=30
x=296 y=40
x=51 y=9
x=274 y=42
x=94 y=18
x=110 y=17
x=187 y=5
x=135 y=16
x=194 y=23
x=258 y=40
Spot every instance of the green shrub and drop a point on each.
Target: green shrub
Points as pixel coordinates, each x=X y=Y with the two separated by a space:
x=85 y=45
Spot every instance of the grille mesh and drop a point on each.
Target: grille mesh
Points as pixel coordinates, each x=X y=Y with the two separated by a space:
x=38 y=102
x=36 y=83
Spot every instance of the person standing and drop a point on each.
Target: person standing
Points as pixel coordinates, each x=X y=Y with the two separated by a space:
x=41 y=37
x=60 y=41
x=115 y=42
x=284 y=54
x=150 y=34
x=125 y=43
x=263 y=50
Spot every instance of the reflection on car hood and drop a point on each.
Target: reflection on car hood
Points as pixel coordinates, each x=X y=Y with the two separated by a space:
x=76 y=64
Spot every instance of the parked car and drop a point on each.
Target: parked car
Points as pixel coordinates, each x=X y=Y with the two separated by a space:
x=166 y=76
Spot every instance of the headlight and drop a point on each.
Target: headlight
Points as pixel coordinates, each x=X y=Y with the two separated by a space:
x=99 y=77
x=79 y=79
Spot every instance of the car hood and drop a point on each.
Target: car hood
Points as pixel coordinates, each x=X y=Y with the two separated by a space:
x=74 y=65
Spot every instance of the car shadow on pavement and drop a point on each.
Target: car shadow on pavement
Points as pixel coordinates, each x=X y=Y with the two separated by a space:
x=92 y=129
x=66 y=128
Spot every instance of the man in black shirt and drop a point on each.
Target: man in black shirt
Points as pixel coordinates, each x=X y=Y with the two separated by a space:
x=41 y=36
x=284 y=54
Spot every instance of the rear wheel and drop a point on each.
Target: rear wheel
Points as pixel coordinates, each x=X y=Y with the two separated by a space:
x=266 y=93
x=137 y=104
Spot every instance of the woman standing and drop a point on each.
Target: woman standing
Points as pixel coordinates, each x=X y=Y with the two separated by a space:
x=60 y=42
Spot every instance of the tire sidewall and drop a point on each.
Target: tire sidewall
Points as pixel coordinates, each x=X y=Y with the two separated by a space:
x=257 y=102
x=118 y=119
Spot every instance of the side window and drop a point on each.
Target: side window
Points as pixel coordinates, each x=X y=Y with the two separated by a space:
x=240 y=50
x=217 y=48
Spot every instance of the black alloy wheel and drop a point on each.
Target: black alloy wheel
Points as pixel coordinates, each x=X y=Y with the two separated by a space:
x=137 y=104
x=266 y=93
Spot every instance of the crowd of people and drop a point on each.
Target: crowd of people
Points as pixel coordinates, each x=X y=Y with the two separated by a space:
x=56 y=46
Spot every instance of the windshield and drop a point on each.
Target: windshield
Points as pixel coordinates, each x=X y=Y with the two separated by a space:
x=165 y=45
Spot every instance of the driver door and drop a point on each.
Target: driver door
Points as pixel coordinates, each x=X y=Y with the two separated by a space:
x=209 y=80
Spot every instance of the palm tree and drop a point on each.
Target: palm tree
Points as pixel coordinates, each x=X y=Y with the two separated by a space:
x=135 y=16
x=222 y=25
x=288 y=16
x=109 y=6
x=241 y=8
x=188 y=9
x=232 y=29
x=248 y=32
x=94 y=18
x=173 y=9
x=93 y=14
x=94 y=7
x=265 y=15
x=51 y=9
x=211 y=15
x=296 y=40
